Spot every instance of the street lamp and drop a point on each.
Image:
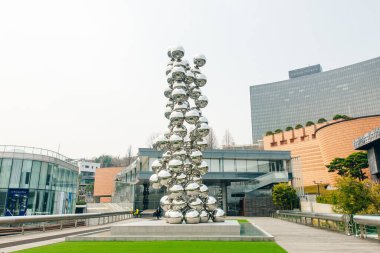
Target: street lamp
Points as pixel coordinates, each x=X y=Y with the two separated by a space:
x=318 y=183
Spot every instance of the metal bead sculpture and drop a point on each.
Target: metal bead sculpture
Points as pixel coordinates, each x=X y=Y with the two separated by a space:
x=181 y=167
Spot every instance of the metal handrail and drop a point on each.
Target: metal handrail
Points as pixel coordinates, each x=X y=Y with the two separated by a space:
x=35 y=151
x=56 y=217
x=368 y=220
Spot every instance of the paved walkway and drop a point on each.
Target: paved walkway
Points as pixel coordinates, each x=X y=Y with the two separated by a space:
x=296 y=238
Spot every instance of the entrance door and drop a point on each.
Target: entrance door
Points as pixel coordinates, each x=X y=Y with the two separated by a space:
x=17 y=202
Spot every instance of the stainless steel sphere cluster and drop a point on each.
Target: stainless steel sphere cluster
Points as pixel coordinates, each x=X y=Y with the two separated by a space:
x=181 y=167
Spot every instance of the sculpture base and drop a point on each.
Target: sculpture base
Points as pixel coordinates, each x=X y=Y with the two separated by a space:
x=159 y=230
x=160 y=227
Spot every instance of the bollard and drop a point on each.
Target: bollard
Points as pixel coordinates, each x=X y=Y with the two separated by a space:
x=76 y=223
x=22 y=229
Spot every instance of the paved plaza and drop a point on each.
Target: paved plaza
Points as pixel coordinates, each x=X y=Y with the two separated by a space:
x=297 y=238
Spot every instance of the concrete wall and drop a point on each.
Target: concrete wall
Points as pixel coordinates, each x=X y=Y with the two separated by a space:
x=309 y=206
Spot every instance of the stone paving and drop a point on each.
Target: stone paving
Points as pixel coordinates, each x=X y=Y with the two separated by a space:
x=297 y=238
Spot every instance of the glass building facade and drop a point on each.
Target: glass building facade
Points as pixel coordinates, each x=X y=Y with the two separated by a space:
x=232 y=176
x=36 y=181
x=353 y=90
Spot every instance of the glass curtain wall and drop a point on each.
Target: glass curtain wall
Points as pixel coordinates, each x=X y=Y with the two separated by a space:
x=38 y=187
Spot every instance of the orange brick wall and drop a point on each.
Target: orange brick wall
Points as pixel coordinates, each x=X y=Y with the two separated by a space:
x=302 y=143
x=105 y=181
x=336 y=140
x=318 y=145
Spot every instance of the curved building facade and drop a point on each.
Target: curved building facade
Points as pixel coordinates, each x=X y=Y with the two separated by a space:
x=36 y=181
x=310 y=94
x=319 y=144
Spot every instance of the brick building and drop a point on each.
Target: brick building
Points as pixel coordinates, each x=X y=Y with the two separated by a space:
x=105 y=183
x=318 y=144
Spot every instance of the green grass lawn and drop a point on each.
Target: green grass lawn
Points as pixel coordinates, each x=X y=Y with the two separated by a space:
x=159 y=246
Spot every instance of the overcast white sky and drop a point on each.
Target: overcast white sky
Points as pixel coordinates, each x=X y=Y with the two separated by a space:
x=89 y=75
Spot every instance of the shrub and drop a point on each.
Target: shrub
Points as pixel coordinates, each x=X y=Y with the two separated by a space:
x=289 y=128
x=284 y=196
x=278 y=131
x=310 y=123
x=298 y=126
x=328 y=197
x=321 y=120
x=268 y=133
x=337 y=116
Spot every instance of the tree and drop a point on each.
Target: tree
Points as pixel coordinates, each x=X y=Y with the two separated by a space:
x=289 y=128
x=212 y=142
x=129 y=156
x=352 y=196
x=310 y=123
x=321 y=120
x=284 y=196
x=151 y=138
x=104 y=160
x=374 y=206
x=268 y=133
x=352 y=165
x=339 y=116
x=298 y=126
x=277 y=131
x=228 y=140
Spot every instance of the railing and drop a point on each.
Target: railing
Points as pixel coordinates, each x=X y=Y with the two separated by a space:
x=363 y=226
x=367 y=226
x=336 y=222
x=35 y=151
x=21 y=224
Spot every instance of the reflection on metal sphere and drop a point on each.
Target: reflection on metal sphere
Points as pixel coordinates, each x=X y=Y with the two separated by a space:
x=204 y=216
x=168 y=111
x=181 y=178
x=192 y=189
x=174 y=217
x=211 y=204
x=178 y=52
x=203 y=168
x=196 y=156
x=165 y=203
x=176 y=141
x=168 y=92
x=189 y=77
x=178 y=204
x=196 y=204
x=164 y=177
x=175 y=191
x=200 y=80
x=176 y=118
x=180 y=130
x=157 y=165
x=200 y=60
x=192 y=117
x=179 y=95
x=218 y=215
x=180 y=155
x=202 y=101
x=203 y=129
x=175 y=165
x=167 y=156
x=203 y=191
x=154 y=181
x=192 y=216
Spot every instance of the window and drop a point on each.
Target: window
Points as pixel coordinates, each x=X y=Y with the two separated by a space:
x=263 y=166
x=5 y=172
x=241 y=165
x=25 y=173
x=229 y=165
x=36 y=168
x=16 y=173
x=252 y=166
x=214 y=165
x=86 y=166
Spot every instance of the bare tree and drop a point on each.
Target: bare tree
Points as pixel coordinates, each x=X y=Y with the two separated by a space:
x=129 y=156
x=228 y=140
x=150 y=140
x=212 y=142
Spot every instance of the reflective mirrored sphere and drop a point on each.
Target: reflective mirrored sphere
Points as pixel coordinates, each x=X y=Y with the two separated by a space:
x=196 y=204
x=192 y=189
x=192 y=216
x=211 y=203
x=174 y=217
x=199 y=60
x=175 y=191
x=204 y=216
x=177 y=52
x=165 y=203
x=154 y=181
x=218 y=215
